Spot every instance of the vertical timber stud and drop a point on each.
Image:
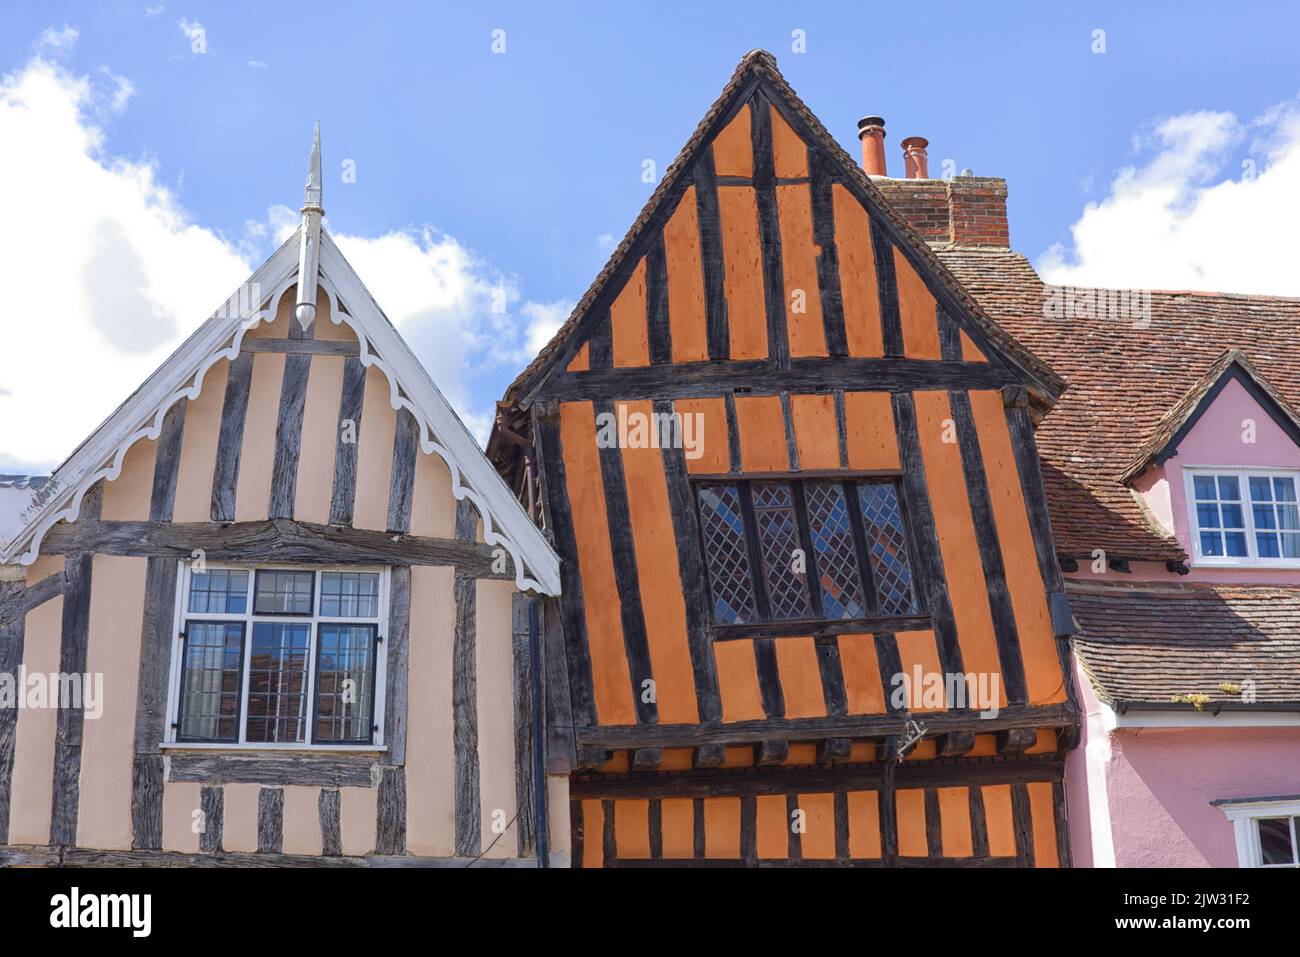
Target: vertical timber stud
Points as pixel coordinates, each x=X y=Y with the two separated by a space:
x=464 y=698
x=230 y=441
x=1022 y=824
x=577 y=654
x=928 y=565
x=891 y=323
x=155 y=649
x=11 y=658
x=986 y=535
x=525 y=815
x=1062 y=824
x=288 y=435
x=828 y=261
x=769 y=230
x=331 y=834
x=627 y=578
x=396 y=708
x=711 y=262
x=401 y=487
x=212 y=805
x=656 y=301
x=979 y=829
x=351 y=399
x=390 y=824
x=695 y=587
x=270 y=821
x=72 y=661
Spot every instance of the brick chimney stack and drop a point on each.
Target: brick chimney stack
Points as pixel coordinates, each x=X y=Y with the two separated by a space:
x=871 y=130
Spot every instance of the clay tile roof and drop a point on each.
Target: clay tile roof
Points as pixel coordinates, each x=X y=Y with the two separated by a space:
x=759 y=62
x=1148 y=644
x=1126 y=379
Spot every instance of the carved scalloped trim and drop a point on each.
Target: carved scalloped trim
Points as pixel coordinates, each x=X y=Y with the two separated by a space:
x=429 y=443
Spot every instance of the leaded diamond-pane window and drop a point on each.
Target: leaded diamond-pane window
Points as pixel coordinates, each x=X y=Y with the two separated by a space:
x=805 y=551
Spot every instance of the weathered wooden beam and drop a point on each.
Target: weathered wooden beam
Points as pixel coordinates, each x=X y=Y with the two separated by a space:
x=352 y=396
x=147 y=801
x=288 y=436
x=85 y=857
x=278 y=540
x=212 y=806
x=624 y=737
x=771 y=752
x=390 y=824
x=401 y=487
x=276 y=768
x=230 y=439
x=524 y=736
x=709 y=756
x=464 y=699
x=303 y=347
x=270 y=821
x=592 y=758
x=561 y=749
x=658 y=331
x=1022 y=824
x=828 y=266
x=16 y=599
x=834 y=750
x=167 y=463
x=694 y=379
x=331 y=834
x=713 y=267
x=644 y=759
x=12 y=631
x=1016 y=740
x=397 y=665
x=891 y=325
x=769 y=229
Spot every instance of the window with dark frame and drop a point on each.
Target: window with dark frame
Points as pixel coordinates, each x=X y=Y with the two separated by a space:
x=279 y=656
x=805 y=550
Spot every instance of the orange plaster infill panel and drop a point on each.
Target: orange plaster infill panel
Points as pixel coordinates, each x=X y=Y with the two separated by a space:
x=632 y=829
x=714 y=456
x=803 y=305
x=916 y=649
x=816 y=436
x=257 y=455
x=986 y=745
x=818 y=839
x=910 y=808
x=737 y=681
x=998 y=820
x=969 y=351
x=687 y=315
x=199 y=448
x=954 y=821
x=1044 y=742
x=916 y=310
x=433 y=506
x=789 y=151
x=801 y=681
x=1043 y=679
x=660 y=578
x=743 y=272
x=762 y=433
x=127 y=497
x=771 y=827
x=864 y=824
x=629 y=334
x=924 y=751
x=858 y=289
x=374 y=452
x=733 y=147
x=800 y=753
x=869 y=426
x=593 y=827
x=34 y=734
x=581 y=362
x=677 y=819
x=1043 y=815
x=863 y=691
x=722 y=827
x=958 y=544
x=611 y=682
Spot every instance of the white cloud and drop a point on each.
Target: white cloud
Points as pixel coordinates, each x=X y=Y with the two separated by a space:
x=111 y=274
x=56 y=42
x=544 y=320
x=1212 y=206
x=154 y=11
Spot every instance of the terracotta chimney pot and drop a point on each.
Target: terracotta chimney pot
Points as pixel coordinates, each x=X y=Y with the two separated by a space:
x=871 y=130
x=915 y=163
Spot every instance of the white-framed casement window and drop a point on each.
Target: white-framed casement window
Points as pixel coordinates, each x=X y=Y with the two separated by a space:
x=1244 y=516
x=278 y=657
x=1267 y=831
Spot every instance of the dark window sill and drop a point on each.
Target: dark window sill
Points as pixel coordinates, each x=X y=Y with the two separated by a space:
x=822 y=628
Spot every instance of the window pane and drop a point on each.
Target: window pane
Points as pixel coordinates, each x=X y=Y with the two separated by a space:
x=210 y=673
x=1233 y=516
x=1211 y=544
x=1204 y=487
x=1288 y=517
x=726 y=555
x=1260 y=490
x=1283 y=489
x=1207 y=516
x=887 y=548
x=837 y=558
x=1229 y=488
x=1267 y=542
x=1291 y=545
x=283 y=592
x=220 y=591
x=1236 y=544
x=345 y=683
x=1264 y=516
x=349 y=594
x=1275 y=840
x=277 y=681
x=778 y=538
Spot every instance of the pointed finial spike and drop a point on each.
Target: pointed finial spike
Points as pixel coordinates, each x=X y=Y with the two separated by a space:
x=309 y=248
x=314 y=178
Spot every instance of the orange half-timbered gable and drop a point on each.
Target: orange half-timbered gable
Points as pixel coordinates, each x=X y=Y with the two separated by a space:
x=851 y=494
x=306 y=594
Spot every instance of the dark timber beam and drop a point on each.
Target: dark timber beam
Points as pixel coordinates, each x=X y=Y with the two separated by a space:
x=277 y=540
x=1016 y=740
x=17 y=600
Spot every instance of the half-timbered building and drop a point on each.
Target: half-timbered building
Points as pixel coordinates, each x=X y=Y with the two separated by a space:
x=811 y=611
x=278 y=609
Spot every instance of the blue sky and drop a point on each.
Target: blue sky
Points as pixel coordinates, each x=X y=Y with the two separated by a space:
x=530 y=161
